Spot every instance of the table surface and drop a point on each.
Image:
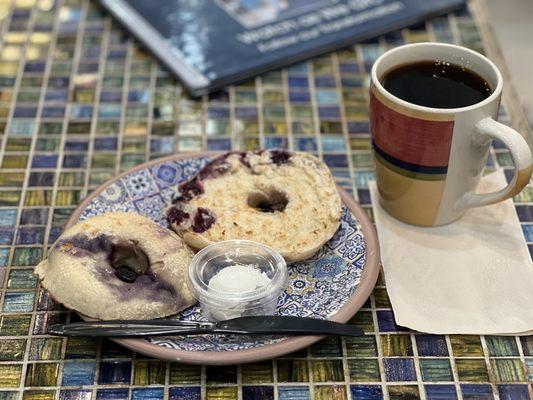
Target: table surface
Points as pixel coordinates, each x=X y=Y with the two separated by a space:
x=81 y=102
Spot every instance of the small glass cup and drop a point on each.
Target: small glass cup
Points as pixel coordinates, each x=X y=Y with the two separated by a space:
x=221 y=305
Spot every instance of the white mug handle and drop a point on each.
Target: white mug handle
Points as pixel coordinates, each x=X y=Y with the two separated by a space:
x=485 y=130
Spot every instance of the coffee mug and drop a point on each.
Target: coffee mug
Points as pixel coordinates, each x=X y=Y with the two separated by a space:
x=429 y=160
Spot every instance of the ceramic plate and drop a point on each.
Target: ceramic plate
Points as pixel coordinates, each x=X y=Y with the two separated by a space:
x=333 y=284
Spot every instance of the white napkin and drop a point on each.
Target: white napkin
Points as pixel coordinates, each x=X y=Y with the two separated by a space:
x=474 y=276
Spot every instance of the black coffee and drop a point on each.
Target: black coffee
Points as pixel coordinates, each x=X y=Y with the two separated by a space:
x=436 y=84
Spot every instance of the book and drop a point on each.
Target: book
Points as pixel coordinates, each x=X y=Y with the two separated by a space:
x=210 y=44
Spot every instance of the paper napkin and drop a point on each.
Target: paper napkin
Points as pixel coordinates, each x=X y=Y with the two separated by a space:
x=474 y=276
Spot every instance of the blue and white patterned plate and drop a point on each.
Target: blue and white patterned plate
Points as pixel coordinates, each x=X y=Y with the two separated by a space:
x=318 y=287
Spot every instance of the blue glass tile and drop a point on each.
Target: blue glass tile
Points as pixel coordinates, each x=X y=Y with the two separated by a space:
x=44 y=161
x=112 y=394
x=77 y=111
x=74 y=161
x=75 y=394
x=246 y=112
x=6 y=235
x=509 y=173
x=105 y=143
x=219 y=144
x=115 y=372
x=363 y=177
x=139 y=96
x=78 y=373
x=109 y=111
x=163 y=145
x=4 y=256
x=336 y=160
x=218 y=112
x=58 y=81
x=528 y=232
x=87 y=67
x=30 y=235
x=184 y=393
x=258 y=393
x=20 y=13
x=112 y=349
x=53 y=112
x=110 y=96
x=366 y=392
x=399 y=369
x=325 y=81
x=351 y=81
x=530 y=247
x=440 y=392
x=329 y=112
x=91 y=52
x=300 y=68
x=431 y=345
x=41 y=179
x=147 y=394
x=498 y=144
x=333 y=143
x=490 y=161
x=364 y=198
x=298 y=81
x=299 y=97
x=55 y=232
x=220 y=95
x=76 y=145
x=293 y=393
x=326 y=97
x=116 y=53
x=276 y=143
x=8 y=218
x=513 y=392
x=525 y=213
x=305 y=144
x=34 y=216
x=19 y=301
x=56 y=96
x=25 y=112
x=358 y=127
x=476 y=392
x=348 y=67
x=67 y=27
x=34 y=67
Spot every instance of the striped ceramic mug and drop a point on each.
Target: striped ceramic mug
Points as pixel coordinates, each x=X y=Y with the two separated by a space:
x=429 y=160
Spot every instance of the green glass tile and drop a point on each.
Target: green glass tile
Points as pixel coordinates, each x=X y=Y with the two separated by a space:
x=139 y=82
x=81 y=348
x=99 y=177
x=21 y=279
x=275 y=127
x=133 y=145
x=525 y=196
x=12 y=349
x=9 y=395
x=9 y=198
x=272 y=79
x=329 y=347
x=362 y=160
x=403 y=392
x=107 y=127
x=67 y=197
x=131 y=160
x=68 y=179
x=273 y=96
x=14 y=161
x=221 y=393
x=327 y=370
x=23 y=256
x=471 y=370
x=60 y=216
x=11 y=179
x=31 y=81
x=292 y=371
x=527 y=345
x=137 y=111
x=301 y=111
x=100 y=160
x=364 y=370
x=47 y=144
x=45 y=349
x=303 y=128
x=217 y=127
x=327 y=127
x=248 y=144
x=357 y=112
x=360 y=143
x=364 y=320
x=466 y=345
x=381 y=298
x=363 y=346
x=10 y=375
x=330 y=392
x=504 y=159
x=529 y=367
x=14 y=325
x=396 y=345
x=79 y=128
x=149 y=373
x=274 y=111
x=42 y=374
x=508 y=370
x=84 y=95
x=182 y=374
x=246 y=128
x=28 y=96
x=501 y=346
x=18 y=144
x=38 y=198
x=257 y=373
x=50 y=128
x=38 y=395
x=436 y=370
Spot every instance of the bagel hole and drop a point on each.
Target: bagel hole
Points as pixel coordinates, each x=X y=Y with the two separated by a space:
x=268 y=200
x=128 y=260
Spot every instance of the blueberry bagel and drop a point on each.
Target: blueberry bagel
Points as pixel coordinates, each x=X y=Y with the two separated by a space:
x=286 y=200
x=118 y=266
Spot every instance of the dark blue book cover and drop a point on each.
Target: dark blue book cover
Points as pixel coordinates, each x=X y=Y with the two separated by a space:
x=209 y=44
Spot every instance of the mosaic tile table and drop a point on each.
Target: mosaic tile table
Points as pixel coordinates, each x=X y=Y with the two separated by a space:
x=80 y=102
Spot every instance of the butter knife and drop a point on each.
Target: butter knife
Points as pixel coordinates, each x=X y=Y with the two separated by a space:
x=263 y=325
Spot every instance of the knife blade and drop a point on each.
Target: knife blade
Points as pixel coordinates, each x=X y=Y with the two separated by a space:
x=264 y=325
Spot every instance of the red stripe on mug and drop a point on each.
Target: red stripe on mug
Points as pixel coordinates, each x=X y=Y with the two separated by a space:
x=416 y=141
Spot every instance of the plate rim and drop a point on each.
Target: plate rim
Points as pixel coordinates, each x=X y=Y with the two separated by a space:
x=348 y=310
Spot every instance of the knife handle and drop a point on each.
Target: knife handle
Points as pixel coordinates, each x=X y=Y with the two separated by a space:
x=130 y=328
